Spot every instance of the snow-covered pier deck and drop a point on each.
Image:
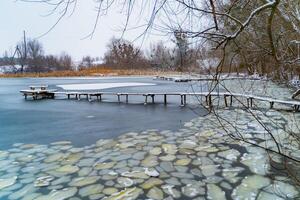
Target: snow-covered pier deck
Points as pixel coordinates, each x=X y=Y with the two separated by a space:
x=204 y=78
x=209 y=97
x=38 y=92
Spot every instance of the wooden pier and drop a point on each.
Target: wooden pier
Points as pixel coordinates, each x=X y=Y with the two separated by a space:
x=41 y=93
x=38 y=92
x=207 y=78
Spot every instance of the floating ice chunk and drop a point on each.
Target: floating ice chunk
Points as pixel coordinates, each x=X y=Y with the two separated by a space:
x=59 y=194
x=43 y=181
x=7 y=182
x=151 y=172
x=128 y=193
x=215 y=192
x=249 y=187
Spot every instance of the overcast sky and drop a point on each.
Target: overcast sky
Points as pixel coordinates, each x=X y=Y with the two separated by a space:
x=16 y=16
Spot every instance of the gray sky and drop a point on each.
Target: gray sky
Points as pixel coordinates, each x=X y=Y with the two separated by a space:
x=16 y=16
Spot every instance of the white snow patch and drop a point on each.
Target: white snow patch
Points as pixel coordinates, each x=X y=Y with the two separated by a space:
x=100 y=86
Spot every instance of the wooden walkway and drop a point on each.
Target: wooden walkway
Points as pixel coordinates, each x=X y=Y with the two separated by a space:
x=37 y=92
x=190 y=79
x=228 y=97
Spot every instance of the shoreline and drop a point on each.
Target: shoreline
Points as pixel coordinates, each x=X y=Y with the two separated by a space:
x=95 y=72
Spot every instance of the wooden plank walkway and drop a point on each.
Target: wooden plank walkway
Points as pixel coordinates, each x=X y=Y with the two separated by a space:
x=190 y=79
x=228 y=97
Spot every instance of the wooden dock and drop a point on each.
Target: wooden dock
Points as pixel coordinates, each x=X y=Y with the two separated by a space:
x=194 y=79
x=38 y=92
x=150 y=97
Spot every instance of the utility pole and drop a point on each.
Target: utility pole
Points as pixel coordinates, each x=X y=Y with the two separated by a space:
x=25 y=52
x=25 y=46
x=22 y=52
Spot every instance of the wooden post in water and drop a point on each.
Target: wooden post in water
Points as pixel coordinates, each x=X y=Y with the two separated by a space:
x=152 y=96
x=181 y=100
x=209 y=101
x=119 y=100
x=225 y=100
x=248 y=102
x=165 y=99
x=146 y=99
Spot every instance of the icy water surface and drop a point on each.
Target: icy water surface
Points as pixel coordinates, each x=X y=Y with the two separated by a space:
x=196 y=160
x=53 y=120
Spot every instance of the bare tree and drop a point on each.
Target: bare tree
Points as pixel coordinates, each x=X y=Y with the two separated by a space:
x=161 y=56
x=65 y=62
x=86 y=62
x=122 y=54
x=35 y=56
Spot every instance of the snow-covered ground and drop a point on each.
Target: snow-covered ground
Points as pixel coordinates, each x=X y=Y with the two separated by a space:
x=100 y=86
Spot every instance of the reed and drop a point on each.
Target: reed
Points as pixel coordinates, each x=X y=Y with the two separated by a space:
x=94 y=71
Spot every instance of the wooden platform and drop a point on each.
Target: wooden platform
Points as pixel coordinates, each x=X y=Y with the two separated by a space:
x=38 y=92
x=150 y=97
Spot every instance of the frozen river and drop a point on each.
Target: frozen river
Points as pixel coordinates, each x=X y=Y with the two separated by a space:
x=47 y=121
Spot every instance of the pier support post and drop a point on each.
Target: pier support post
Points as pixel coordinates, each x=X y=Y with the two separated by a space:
x=152 y=96
x=25 y=95
x=231 y=100
x=119 y=99
x=100 y=97
x=165 y=99
x=184 y=99
x=251 y=102
x=208 y=101
x=271 y=104
x=181 y=100
x=126 y=98
x=146 y=99
x=248 y=102
x=225 y=100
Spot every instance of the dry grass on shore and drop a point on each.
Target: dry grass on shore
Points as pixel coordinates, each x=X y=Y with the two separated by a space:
x=96 y=71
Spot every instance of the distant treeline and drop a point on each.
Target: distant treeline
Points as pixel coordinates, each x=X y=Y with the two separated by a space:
x=122 y=54
x=30 y=57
